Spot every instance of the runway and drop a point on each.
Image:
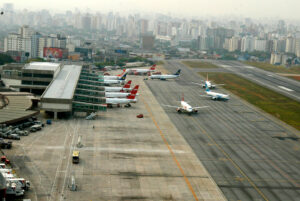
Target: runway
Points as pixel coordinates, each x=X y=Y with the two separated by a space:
x=280 y=84
x=250 y=155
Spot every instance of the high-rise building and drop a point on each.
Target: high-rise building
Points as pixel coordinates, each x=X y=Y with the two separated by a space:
x=290 y=45
x=260 y=45
x=279 y=45
x=143 y=26
x=234 y=44
x=219 y=35
x=247 y=44
x=297 y=47
x=147 y=42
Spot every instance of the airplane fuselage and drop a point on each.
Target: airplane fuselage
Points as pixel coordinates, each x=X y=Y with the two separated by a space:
x=163 y=77
x=217 y=96
x=185 y=107
x=116 y=89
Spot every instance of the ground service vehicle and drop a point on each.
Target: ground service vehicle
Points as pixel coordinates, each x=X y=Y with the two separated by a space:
x=75 y=157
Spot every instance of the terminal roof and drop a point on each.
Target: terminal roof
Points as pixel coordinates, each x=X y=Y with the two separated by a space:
x=63 y=86
x=42 y=66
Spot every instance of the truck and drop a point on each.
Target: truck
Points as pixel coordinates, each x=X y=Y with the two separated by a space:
x=75 y=157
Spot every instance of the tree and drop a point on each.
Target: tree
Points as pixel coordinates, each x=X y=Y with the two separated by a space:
x=5 y=59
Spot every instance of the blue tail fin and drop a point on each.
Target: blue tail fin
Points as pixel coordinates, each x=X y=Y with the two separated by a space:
x=178 y=72
x=206 y=87
x=123 y=77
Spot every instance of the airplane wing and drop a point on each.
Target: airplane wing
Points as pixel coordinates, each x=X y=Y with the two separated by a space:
x=197 y=83
x=200 y=107
x=204 y=95
x=170 y=106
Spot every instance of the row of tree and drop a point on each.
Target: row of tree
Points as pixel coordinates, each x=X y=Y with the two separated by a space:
x=5 y=59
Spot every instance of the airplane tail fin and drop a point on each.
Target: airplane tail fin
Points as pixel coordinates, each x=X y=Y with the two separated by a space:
x=134 y=90
x=120 y=75
x=127 y=85
x=206 y=87
x=178 y=72
x=153 y=67
x=123 y=77
x=182 y=98
x=207 y=77
x=131 y=96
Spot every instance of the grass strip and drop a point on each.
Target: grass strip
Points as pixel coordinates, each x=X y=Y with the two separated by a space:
x=199 y=64
x=273 y=68
x=280 y=106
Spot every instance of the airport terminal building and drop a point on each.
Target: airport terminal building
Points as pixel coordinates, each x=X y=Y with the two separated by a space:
x=60 y=88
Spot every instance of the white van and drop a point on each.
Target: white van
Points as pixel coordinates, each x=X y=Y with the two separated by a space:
x=2 y=165
x=25 y=184
x=14 y=188
x=7 y=171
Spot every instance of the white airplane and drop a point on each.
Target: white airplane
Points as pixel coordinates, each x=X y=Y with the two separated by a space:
x=118 y=101
x=215 y=95
x=91 y=116
x=118 y=81
x=125 y=88
x=114 y=77
x=185 y=107
x=168 y=76
x=141 y=70
x=208 y=83
x=122 y=94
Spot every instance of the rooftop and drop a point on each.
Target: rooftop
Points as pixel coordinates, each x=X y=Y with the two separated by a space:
x=63 y=86
x=42 y=66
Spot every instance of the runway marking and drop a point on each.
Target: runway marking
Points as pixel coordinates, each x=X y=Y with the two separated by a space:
x=226 y=66
x=260 y=154
x=129 y=150
x=170 y=150
x=287 y=89
x=234 y=164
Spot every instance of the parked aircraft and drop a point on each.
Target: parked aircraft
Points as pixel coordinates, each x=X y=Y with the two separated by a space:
x=125 y=88
x=166 y=76
x=91 y=116
x=215 y=95
x=122 y=94
x=141 y=70
x=119 y=101
x=208 y=83
x=118 y=81
x=185 y=107
x=114 y=77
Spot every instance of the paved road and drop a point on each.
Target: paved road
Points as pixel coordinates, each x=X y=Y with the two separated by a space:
x=250 y=155
x=281 y=84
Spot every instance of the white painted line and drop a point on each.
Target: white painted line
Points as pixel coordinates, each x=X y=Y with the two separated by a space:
x=270 y=75
x=226 y=66
x=249 y=67
x=119 y=150
x=287 y=89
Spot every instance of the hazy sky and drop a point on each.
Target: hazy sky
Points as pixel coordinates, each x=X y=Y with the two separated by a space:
x=286 y=9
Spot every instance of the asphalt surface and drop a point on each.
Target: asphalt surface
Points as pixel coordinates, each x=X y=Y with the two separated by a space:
x=250 y=155
x=281 y=84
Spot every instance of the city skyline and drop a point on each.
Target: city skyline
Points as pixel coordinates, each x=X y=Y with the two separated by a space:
x=189 y=8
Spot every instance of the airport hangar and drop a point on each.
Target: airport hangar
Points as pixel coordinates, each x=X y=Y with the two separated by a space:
x=62 y=88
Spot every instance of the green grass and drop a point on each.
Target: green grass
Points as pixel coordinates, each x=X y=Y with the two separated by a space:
x=273 y=68
x=160 y=63
x=199 y=64
x=282 y=107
